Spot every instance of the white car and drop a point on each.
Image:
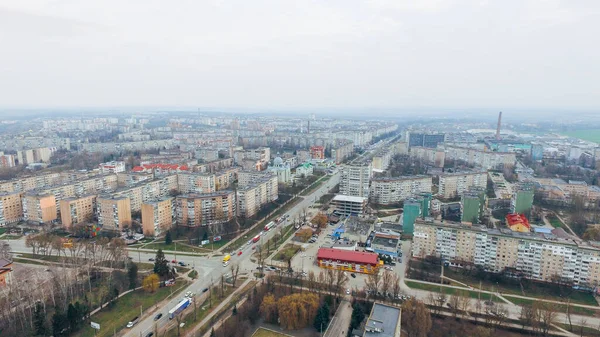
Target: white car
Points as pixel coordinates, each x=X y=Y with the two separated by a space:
x=347 y=291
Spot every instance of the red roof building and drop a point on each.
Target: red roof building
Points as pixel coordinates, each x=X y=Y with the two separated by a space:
x=518 y=223
x=317 y=152
x=351 y=261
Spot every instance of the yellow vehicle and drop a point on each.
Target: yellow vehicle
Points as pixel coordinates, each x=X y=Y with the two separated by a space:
x=226 y=258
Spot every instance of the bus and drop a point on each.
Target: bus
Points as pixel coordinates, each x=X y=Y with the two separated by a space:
x=256 y=238
x=269 y=226
x=179 y=308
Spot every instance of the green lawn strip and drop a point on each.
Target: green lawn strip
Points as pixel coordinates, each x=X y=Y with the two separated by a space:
x=451 y=291
x=227 y=307
x=561 y=307
x=51 y=258
x=262 y=332
x=181 y=247
x=127 y=307
x=241 y=240
x=2 y=231
x=586 y=330
x=315 y=186
x=26 y=261
x=287 y=252
x=201 y=311
x=11 y=237
x=534 y=290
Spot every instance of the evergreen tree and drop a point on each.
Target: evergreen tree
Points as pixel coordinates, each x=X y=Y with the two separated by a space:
x=168 y=238
x=322 y=318
x=39 y=320
x=234 y=311
x=161 y=266
x=72 y=317
x=59 y=323
x=132 y=274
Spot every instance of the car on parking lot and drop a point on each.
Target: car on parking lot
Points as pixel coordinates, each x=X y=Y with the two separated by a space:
x=157 y=317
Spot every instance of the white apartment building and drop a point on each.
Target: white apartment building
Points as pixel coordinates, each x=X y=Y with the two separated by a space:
x=387 y=191
x=355 y=178
x=112 y=167
x=454 y=184
x=195 y=183
x=529 y=255
x=485 y=159
x=252 y=197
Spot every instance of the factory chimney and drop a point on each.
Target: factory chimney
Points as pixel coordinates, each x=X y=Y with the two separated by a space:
x=499 y=124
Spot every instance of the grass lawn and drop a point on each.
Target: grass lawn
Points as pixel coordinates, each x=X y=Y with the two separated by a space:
x=51 y=258
x=592 y=135
x=561 y=307
x=25 y=261
x=262 y=332
x=539 y=290
x=578 y=329
x=287 y=252
x=126 y=308
x=451 y=291
x=12 y=237
x=555 y=222
x=2 y=231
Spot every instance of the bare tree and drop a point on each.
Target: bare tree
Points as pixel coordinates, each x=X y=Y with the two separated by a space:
x=453 y=303
x=386 y=282
x=372 y=283
x=396 y=286
x=235 y=270
x=418 y=318
x=340 y=281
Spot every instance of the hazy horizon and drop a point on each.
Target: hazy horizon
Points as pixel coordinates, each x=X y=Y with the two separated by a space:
x=378 y=55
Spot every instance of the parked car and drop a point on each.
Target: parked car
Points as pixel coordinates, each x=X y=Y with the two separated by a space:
x=239 y=253
x=204 y=290
x=353 y=275
x=151 y=259
x=181 y=263
x=174 y=261
x=347 y=291
x=150 y=334
x=157 y=317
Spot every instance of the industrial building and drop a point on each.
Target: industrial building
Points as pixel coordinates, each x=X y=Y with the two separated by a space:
x=350 y=261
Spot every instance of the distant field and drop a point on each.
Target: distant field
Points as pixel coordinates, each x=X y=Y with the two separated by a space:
x=592 y=135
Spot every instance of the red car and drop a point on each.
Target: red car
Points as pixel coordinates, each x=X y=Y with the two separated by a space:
x=240 y=253
x=174 y=261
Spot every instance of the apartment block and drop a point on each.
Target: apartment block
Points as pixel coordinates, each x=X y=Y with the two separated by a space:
x=39 y=207
x=354 y=179
x=486 y=159
x=133 y=178
x=195 y=183
x=341 y=150
x=387 y=191
x=25 y=157
x=381 y=161
x=225 y=177
x=435 y=157
x=77 y=210
x=195 y=210
x=455 y=184
x=246 y=178
x=11 y=207
x=425 y=139
x=7 y=160
x=536 y=256
x=158 y=216
x=113 y=213
x=317 y=152
x=252 y=197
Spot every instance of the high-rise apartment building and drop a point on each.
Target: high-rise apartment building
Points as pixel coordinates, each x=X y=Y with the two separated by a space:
x=317 y=152
x=522 y=199
x=253 y=196
x=195 y=183
x=387 y=191
x=158 y=216
x=455 y=184
x=11 y=207
x=114 y=213
x=195 y=210
x=529 y=255
x=77 y=210
x=355 y=178
x=39 y=207
x=7 y=160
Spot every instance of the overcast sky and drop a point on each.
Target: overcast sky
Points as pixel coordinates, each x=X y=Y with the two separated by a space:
x=300 y=54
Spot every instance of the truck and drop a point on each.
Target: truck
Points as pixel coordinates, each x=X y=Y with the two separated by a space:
x=226 y=258
x=269 y=226
x=133 y=322
x=256 y=238
x=179 y=307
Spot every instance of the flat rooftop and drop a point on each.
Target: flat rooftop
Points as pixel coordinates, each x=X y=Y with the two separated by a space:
x=348 y=198
x=383 y=321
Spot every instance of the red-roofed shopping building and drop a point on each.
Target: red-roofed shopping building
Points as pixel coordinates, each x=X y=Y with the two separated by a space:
x=350 y=261
x=518 y=223
x=161 y=168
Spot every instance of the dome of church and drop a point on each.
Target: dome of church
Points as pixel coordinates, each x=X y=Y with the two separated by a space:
x=277 y=161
